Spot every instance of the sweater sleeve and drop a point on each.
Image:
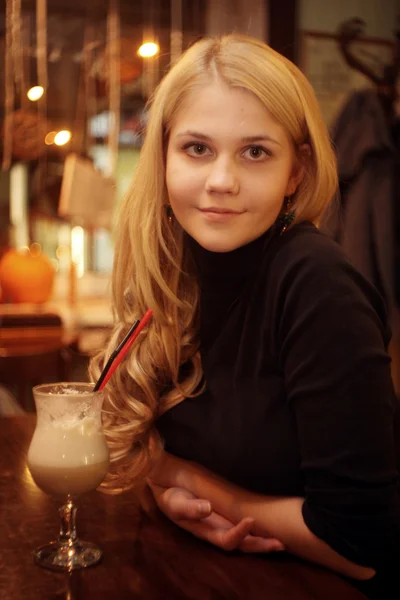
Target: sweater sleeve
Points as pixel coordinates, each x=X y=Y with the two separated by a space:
x=330 y=334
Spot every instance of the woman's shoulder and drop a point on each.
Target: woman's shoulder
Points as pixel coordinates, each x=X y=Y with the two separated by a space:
x=305 y=250
x=305 y=241
x=305 y=264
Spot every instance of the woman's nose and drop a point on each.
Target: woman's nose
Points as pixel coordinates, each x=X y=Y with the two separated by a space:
x=223 y=178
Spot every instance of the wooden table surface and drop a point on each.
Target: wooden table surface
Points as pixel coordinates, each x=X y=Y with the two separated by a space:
x=145 y=556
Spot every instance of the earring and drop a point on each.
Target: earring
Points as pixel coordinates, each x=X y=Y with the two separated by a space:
x=170 y=213
x=286 y=219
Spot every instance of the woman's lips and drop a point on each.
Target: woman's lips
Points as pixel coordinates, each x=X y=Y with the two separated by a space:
x=219 y=214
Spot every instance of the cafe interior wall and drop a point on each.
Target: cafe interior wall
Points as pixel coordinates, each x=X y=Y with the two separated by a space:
x=245 y=16
x=321 y=26
x=325 y=16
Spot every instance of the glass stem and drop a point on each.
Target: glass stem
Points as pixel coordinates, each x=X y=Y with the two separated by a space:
x=68 y=533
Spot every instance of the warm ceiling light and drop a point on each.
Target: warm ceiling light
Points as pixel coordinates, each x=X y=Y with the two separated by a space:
x=35 y=93
x=50 y=137
x=62 y=137
x=148 y=49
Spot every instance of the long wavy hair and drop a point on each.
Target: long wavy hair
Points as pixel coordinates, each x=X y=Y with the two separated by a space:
x=152 y=265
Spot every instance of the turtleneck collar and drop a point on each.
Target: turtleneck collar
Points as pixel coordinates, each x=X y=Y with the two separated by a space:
x=223 y=277
x=228 y=267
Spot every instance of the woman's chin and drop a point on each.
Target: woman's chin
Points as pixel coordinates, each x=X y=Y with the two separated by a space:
x=219 y=245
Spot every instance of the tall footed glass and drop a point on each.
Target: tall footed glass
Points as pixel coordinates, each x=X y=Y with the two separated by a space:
x=68 y=456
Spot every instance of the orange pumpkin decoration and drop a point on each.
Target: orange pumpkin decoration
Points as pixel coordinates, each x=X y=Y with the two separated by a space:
x=26 y=277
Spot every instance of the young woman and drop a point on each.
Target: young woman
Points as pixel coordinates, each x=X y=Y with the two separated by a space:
x=263 y=374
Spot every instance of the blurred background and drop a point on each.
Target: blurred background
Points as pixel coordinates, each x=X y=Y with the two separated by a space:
x=74 y=83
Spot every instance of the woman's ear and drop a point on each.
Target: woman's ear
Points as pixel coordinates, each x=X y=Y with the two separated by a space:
x=303 y=156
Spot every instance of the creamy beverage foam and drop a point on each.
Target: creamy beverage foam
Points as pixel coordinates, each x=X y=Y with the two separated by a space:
x=68 y=456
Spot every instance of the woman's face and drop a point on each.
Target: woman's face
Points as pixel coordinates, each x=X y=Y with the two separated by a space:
x=229 y=167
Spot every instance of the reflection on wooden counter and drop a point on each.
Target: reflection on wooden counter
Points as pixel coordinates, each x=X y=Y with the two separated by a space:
x=91 y=312
x=30 y=328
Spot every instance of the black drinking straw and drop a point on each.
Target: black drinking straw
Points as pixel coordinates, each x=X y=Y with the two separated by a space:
x=114 y=355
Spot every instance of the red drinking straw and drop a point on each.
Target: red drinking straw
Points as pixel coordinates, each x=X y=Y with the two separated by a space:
x=121 y=351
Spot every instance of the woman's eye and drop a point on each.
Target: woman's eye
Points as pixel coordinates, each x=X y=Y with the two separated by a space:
x=196 y=149
x=256 y=152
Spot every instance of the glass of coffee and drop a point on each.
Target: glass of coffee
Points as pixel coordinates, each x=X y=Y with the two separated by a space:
x=68 y=456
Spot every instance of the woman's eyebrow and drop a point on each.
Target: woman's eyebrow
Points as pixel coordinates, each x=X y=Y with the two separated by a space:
x=195 y=134
x=252 y=139
x=249 y=139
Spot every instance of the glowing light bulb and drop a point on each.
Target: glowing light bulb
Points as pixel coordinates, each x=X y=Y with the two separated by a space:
x=35 y=93
x=62 y=137
x=148 y=49
x=50 y=137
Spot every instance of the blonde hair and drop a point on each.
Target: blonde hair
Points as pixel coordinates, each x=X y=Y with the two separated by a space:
x=152 y=268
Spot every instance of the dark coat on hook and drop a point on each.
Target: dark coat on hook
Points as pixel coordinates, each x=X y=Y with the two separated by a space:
x=362 y=220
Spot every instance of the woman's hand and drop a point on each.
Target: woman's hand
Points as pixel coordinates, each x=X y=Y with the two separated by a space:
x=196 y=516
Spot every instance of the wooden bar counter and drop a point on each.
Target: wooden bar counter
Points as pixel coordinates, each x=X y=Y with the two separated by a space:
x=145 y=556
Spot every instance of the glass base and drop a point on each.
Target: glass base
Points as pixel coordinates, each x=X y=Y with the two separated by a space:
x=64 y=557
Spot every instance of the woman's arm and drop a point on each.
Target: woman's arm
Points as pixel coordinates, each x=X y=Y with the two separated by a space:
x=330 y=342
x=276 y=517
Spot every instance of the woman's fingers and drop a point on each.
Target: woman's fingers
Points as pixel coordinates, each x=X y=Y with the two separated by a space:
x=233 y=537
x=248 y=543
x=227 y=539
x=252 y=543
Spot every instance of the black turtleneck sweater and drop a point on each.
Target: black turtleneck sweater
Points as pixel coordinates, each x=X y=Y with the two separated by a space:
x=299 y=398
